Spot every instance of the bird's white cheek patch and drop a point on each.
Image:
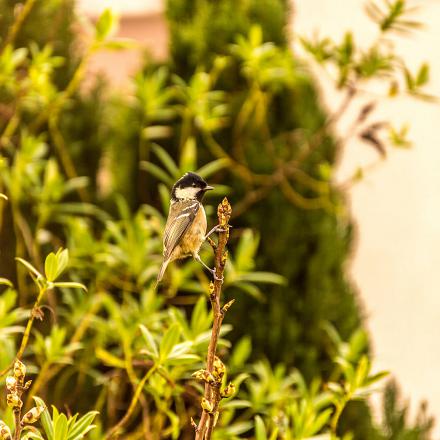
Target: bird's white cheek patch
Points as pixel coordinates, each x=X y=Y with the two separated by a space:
x=187 y=193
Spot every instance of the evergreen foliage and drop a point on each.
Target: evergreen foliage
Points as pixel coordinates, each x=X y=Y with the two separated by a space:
x=308 y=247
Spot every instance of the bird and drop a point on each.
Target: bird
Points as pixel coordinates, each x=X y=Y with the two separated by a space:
x=185 y=229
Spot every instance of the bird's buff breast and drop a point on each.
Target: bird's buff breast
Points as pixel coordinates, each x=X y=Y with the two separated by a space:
x=194 y=236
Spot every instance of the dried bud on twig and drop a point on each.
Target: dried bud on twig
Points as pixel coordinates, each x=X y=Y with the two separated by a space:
x=11 y=383
x=14 y=401
x=228 y=391
x=219 y=369
x=32 y=415
x=207 y=405
x=224 y=211
x=19 y=371
x=5 y=432
x=227 y=306
x=224 y=258
x=216 y=415
x=204 y=375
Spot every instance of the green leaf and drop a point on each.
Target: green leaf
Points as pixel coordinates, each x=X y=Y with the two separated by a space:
x=5 y=282
x=167 y=160
x=325 y=170
x=332 y=333
x=70 y=285
x=376 y=377
x=60 y=428
x=399 y=138
x=335 y=388
x=241 y=353
x=321 y=49
x=346 y=49
x=169 y=340
x=151 y=343
x=29 y=267
x=183 y=359
x=63 y=260
x=262 y=277
x=260 y=429
x=50 y=267
x=200 y=317
x=45 y=418
x=347 y=369
x=410 y=81
x=423 y=75
x=320 y=421
x=109 y=359
x=157 y=132
x=188 y=157
x=105 y=25
x=120 y=44
x=256 y=35
x=212 y=167
x=250 y=289
x=157 y=172
x=357 y=345
x=82 y=426
x=236 y=404
x=362 y=371
x=55 y=264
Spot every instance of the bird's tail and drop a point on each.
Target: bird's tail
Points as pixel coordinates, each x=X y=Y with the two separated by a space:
x=162 y=271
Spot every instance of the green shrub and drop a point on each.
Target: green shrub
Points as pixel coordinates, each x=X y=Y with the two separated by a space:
x=91 y=171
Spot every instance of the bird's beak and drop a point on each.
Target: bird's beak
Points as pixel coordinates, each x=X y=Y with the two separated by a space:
x=208 y=188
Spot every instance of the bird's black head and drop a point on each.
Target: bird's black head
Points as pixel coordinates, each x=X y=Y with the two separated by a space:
x=190 y=186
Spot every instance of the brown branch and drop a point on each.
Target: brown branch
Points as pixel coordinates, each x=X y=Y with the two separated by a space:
x=17 y=419
x=212 y=392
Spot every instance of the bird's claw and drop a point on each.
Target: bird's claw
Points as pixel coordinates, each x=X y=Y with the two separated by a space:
x=217 y=228
x=214 y=274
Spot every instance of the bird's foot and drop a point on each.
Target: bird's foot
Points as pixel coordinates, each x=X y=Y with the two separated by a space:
x=214 y=274
x=217 y=228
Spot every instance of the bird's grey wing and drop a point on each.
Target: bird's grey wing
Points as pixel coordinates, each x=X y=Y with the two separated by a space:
x=180 y=218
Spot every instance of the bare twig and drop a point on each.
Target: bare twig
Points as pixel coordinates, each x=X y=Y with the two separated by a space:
x=212 y=391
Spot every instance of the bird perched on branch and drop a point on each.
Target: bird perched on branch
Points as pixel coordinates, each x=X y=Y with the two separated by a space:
x=185 y=230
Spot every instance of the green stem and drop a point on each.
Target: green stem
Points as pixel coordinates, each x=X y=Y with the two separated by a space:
x=18 y=23
x=114 y=432
x=64 y=155
x=337 y=415
x=10 y=129
x=30 y=323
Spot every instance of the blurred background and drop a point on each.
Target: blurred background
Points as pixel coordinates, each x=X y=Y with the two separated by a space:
x=344 y=239
x=394 y=262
